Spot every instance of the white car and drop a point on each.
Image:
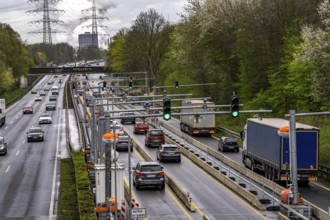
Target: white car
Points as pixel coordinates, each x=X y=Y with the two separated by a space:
x=45 y=119
x=37 y=98
x=118 y=129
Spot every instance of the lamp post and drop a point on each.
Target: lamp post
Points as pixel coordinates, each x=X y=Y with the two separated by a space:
x=108 y=139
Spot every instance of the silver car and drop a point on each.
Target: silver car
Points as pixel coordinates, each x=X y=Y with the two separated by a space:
x=35 y=134
x=3 y=146
x=148 y=174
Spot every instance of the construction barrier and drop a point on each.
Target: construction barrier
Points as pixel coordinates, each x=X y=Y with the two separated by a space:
x=124 y=207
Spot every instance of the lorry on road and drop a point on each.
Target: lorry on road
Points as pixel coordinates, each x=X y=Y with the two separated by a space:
x=197 y=124
x=266 y=152
x=2 y=112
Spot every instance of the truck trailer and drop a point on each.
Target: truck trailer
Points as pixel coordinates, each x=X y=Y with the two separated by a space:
x=2 y=112
x=265 y=151
x=197 y=124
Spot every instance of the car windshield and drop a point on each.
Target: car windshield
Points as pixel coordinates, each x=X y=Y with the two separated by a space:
x=1 y=141
x=151 y=168
x=231 y=140
x=170 y=148
x=116 y=127
x=156 y=133
x=35 y=130
x=140 y=124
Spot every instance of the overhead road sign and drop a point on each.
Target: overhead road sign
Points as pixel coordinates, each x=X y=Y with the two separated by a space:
x=65 y=70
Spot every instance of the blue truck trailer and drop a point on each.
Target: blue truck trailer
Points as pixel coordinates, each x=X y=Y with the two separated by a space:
x=265 y=151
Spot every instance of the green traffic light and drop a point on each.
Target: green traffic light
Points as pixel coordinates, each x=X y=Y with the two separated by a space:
x=234 y=114
x=167 y=116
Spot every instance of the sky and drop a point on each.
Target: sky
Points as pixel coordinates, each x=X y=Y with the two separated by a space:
x=118 y=14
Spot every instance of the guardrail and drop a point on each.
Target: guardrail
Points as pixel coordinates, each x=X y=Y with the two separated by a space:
x=324 y=171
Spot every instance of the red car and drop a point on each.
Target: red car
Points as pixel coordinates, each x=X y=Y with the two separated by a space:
x=141 y=127
x=27 y=110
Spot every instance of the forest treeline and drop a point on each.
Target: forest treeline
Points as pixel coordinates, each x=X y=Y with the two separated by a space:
x=273 y=54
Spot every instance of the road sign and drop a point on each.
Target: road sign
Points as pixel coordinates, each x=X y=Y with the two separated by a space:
x=139 y=213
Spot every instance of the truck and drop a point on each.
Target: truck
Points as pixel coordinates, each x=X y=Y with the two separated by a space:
x=2 y=112
x=268 y=153
x=197 y=124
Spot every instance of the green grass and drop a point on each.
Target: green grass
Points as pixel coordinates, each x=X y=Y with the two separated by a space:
x=12 y=94
x=85 y=196
x=67 y=206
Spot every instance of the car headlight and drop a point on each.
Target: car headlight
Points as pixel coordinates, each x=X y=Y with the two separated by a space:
x=29 y=136
x=2 y=147
x=40 y=135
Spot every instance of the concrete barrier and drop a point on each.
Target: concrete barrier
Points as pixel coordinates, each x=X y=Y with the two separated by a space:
x=280 y=216
x=171 y=183
x=220 y=177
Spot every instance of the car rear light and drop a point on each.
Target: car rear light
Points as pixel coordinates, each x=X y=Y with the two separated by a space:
x=196 y=131
x=161 y=174
x=211 y=132
x=139 y=174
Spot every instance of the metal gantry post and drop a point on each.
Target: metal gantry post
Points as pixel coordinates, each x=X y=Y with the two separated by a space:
x=94 y=137
x=115 y=162
x=101 y=143
x=293 y=156
x=129 y=180
x=107 y=170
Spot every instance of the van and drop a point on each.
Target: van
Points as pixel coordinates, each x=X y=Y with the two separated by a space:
x=54 y=88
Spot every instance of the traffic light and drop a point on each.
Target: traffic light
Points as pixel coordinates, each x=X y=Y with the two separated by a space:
x=104 y=85
x=166 y=108
x=176 y=84
x=130 y=84
x=234 y=106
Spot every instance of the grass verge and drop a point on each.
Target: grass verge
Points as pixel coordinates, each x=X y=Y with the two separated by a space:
x=67 y=206
x=84 y=194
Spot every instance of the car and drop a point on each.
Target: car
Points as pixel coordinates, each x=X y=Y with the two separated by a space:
x=46 y=89
x=55 y=92
x=168 y=152
x=140 y=127
x=27 y=110
x=35 y=134
x=38 y=98
x=45 y=119
x=124 y=143
x=118 y=129
x=128 y=117
x=228 y=144
x=154 y=138
x=42 y=93
x=148 y=174
x=53 y=98
x=3 y=146
x=50 y=82
x=33 y=91
x=50 y=106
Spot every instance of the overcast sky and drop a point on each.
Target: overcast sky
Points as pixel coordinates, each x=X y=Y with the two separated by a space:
x=120 y=13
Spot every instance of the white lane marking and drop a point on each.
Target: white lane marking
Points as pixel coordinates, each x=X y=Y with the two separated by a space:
x=6 y=127
x=17 y=152
x=7 y=169
x=51 y=208
x=23 y=141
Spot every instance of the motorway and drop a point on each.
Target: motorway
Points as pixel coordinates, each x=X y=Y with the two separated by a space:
x=209 y=196
x=28 y=173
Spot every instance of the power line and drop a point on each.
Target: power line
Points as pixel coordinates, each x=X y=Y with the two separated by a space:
x=46 y=21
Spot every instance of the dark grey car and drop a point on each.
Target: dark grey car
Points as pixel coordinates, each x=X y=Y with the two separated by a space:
x=228 y=144
x=124 y=143
x=148 y=174
x=128 y=118
x=3 y=146
x=35 y=134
